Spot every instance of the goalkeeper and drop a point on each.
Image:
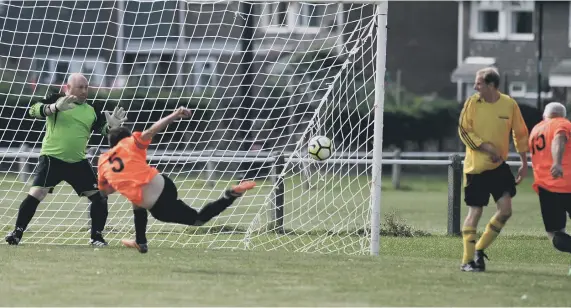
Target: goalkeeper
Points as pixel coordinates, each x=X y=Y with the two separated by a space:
x=70 y=121
x=124 y=168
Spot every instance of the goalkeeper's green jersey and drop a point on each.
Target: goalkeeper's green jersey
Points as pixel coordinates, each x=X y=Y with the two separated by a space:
x=67 y=132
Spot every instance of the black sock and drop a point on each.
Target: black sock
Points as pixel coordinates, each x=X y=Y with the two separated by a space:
x=98 y=213
x=26 y=212
x=170 y=209
x=562 y=241
x=214 y=209
x=141 y=220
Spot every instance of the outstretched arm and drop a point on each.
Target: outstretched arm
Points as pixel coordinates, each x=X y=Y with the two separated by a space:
x=161 y=124
x=51 y=104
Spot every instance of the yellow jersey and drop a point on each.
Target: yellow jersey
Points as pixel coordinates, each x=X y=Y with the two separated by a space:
x=481 y=121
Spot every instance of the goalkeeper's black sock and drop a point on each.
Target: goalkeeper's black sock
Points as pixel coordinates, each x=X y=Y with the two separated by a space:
x=26 y=212
x=562 y=241
x=141 y=219
x=98 y=212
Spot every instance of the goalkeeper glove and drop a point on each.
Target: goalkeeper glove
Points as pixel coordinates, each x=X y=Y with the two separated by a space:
x=64 y=103
x=116 y=118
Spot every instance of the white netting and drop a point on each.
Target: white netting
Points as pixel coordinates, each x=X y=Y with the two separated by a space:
x=262 y=79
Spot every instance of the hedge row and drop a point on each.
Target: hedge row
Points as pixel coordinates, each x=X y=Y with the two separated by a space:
x=418 y=122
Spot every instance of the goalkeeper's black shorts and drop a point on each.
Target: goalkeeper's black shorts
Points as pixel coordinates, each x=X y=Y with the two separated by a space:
x=51 y=171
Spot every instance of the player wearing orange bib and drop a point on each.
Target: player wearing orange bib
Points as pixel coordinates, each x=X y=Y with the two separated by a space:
x=551 y=159
x=124 y=169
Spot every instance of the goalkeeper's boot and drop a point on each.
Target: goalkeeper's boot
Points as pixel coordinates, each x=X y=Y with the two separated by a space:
x=470 y=267
x=97 y=240
x=142 y=248
x=479 y=259
x=14 y=237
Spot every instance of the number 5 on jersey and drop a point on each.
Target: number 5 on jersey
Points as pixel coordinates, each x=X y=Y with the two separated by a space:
x=538 y=143
x=114 y=159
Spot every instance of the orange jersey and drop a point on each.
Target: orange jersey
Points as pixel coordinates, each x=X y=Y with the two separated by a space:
x=125 y=168
x=540 y=141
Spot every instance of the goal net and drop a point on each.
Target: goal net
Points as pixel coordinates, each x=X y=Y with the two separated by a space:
x=262 y=78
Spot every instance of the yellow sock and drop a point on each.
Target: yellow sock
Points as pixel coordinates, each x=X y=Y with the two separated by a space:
x=469 y=239
x=493 y=228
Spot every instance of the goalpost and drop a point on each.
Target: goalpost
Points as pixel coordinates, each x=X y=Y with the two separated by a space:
x=262 y=78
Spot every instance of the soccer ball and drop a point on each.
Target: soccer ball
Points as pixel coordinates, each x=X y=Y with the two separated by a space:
x=320 y=148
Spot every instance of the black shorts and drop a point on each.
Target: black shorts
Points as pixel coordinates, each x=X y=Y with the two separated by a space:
x=555 y=207
x=51 y=171
x=168 y=196
x=494 y=182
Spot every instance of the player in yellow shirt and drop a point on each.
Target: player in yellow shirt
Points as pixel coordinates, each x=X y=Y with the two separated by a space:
x=486 y=122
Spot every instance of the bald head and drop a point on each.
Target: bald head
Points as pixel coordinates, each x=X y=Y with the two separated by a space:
x=77 y=85
x=554 y=110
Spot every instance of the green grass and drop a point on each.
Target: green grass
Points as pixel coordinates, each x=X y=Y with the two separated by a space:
x=524 y=270
x=409 y=272
x=337 y=202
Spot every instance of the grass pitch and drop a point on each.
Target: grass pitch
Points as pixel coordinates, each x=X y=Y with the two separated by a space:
x=409 y=272
x=524 y=269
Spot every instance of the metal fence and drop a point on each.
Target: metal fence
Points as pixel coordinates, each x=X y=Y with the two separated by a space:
x=453 y=162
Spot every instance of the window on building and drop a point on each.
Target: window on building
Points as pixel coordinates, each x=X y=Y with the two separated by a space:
x=488 y=21
x=55 y=70
x=497 y=20
x=142 y=69
x=278 y=14
x=199 y=73
x=521 y=20
x=41 y=71
x=167 y=69
x=522 y=23
x=311 y=15
x=150 y=70
x=296 y=17
x=517 y=88
x=94 y=72
x=61 y=71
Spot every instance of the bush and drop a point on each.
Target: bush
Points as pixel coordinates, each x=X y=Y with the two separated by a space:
x=395 y=226
x=415 y=119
